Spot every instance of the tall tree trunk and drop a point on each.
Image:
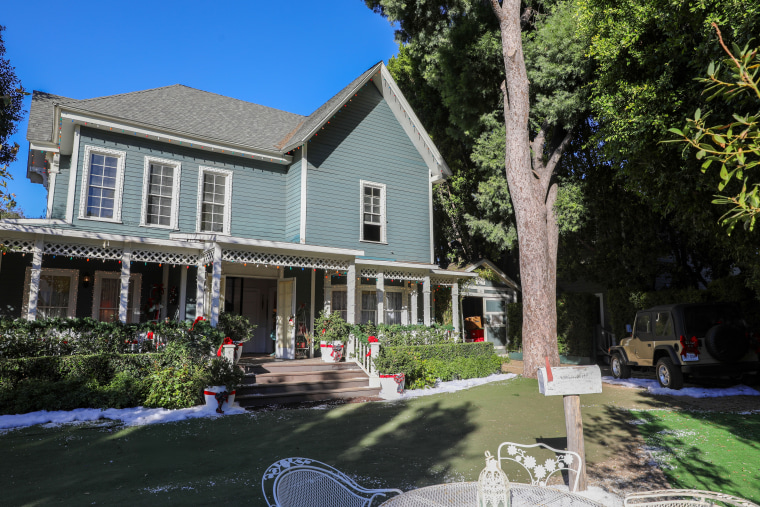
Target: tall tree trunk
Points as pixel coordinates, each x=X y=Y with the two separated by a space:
x=533 y=198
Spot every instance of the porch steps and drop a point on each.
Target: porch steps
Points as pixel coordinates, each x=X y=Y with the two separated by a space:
x=297 y=381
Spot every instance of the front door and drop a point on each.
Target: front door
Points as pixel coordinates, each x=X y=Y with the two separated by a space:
x=496 y=317
x=286 y=318
x=254 y=299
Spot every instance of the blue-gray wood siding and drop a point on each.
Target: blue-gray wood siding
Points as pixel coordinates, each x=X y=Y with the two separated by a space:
x=365 y=142
x=258 y=188
x=60 y=195
x=293 y=200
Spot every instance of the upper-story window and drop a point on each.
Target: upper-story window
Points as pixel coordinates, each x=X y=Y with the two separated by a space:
x=214 y=197
x=373 y=222
x=160 y=193
x=102 y=184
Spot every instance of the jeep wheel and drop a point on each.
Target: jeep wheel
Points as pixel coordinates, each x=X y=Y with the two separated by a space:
x=619 y=368
x=726 y=343
x=668 y=374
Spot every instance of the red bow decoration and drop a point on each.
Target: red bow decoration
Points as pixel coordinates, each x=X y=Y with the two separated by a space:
x=195 y=322
x=227 y=341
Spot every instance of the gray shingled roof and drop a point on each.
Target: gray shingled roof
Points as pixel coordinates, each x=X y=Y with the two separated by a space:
x=41 y=116
x=182 y=109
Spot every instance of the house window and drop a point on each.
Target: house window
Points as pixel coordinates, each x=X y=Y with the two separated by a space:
x=340 y=303
x=373 y=212
x=103 y=179
x=214 y=194
x=107 y=293
x=57 y=293
x=160 y=193
x=393 y=307
x=369 y=307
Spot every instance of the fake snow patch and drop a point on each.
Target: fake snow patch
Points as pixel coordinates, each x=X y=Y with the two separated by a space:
x=653 y=387
x=454 y=385
x=137 y=416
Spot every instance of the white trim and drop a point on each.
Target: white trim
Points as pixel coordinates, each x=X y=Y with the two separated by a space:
x=97 y=121
x=73 y=287
x=304 y=170
x=383 y=212
x=33 y=221
x=134 y=315
x=89 y=150
x=69 y=233
x=73 y=176
x=271 y=245
x=174 y=220
x=457 y=274
x=430 y=222
x=51 y=194
x=394 y=264
x=227 y=198
x=43 y=146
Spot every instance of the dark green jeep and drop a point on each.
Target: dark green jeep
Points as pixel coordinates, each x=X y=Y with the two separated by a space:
x=687 y=339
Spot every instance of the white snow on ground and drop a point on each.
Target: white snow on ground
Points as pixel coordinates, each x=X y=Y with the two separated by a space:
x=653 y=387
x=453 y=386
x=137 y=416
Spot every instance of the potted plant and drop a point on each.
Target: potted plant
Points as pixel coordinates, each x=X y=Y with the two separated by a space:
x=222 y=380
x=236 y=330
x=391 y=371
x=333 y=334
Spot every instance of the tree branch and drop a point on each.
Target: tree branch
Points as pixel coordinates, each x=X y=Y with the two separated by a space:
x=537 y=146
x=553 y=160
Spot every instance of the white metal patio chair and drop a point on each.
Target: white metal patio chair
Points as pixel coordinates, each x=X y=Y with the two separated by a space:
x=541 y=472
x=304 y=482
x=684 y=498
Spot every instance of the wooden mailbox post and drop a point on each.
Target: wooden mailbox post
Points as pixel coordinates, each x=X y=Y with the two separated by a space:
x=570 y=382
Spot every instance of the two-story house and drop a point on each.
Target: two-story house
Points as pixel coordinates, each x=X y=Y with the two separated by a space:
x=175 y=203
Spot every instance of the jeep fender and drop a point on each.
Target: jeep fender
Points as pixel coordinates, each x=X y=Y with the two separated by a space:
x=622 y=352
x=667 y=350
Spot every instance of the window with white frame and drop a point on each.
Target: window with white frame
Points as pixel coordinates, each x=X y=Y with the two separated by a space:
x=369 y=307
x=393 y=307
x=57 y=293
x=102 y=184
x=339 y=303
x=107 y=294
x=214 y=197
x=160 y=193
x=373 y=218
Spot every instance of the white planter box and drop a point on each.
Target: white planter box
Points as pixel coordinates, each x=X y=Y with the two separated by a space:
x=389 y=388
x=209 y=393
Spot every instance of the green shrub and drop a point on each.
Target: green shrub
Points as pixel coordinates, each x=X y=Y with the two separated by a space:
x=331 y=328
x=237 y=327
x=176 y=386
x=397 y=335
x=221 y=372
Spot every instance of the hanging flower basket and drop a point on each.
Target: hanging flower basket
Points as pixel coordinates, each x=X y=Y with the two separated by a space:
x=392 y=386
x=215 y=397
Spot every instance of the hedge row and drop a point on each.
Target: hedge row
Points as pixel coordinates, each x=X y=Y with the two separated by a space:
x=404 y=359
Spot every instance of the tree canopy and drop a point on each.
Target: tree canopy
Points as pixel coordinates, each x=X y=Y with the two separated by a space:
x=11 y=112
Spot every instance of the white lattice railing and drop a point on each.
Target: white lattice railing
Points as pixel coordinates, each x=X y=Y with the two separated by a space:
x=275 y=259
x=185 y=259
x=82 y=251
x=363 y=358
x=18 y=245
x=392 y=275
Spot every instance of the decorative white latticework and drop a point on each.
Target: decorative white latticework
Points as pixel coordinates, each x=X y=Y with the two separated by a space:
x=403 y=275
x=183 y=258
x=298 y=482
x=540 y=472
x=493 y=485
x=368 y=272
x=82 y=251
x=208 y=256
x=18 y=245
x=442 y=280
x=274 y=259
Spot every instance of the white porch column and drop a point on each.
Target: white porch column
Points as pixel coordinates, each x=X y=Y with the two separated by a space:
x=200 y=287
x=34 y=282
x=426 y=301
x=182 y=292
x=165 y=295
x=455 y=306
x=216 y=283
x=380 y=289
x=126 y=270
x=413 y=296
x=351 y=296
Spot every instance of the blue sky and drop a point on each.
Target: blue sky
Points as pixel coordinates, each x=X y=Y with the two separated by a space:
x=283 y=54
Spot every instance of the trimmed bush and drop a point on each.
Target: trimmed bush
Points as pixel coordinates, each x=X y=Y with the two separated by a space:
x=398 y=335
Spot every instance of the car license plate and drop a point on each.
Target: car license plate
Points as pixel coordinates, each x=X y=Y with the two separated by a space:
x=690 y=357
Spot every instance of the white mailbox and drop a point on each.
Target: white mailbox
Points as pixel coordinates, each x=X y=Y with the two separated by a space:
x=570 y=380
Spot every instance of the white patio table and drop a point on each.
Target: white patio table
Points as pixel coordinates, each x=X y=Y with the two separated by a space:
x=464 y=494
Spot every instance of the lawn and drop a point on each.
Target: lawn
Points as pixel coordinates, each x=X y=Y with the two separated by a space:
x=706 y=450
x=405 y=444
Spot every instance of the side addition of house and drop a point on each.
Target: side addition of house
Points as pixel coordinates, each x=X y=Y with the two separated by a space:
x=173 y=203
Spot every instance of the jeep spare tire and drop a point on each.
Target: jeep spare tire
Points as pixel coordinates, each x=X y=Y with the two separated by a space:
x=726 y=343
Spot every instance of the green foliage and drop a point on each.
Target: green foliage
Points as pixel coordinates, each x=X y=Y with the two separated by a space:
x=733 y=146
x=237 y=327
x=422 y=365
x=176 y=386
x=398 y=335
x=331 y=328
x=11 y=113
x=221 y=372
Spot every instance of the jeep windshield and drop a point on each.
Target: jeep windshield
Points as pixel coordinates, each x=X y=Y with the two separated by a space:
x=699 y=319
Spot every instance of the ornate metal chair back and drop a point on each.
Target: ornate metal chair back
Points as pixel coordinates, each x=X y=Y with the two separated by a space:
x=540 y=471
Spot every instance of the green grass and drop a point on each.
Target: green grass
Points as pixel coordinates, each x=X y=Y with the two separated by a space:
x=407 y=444
x=706 y=450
